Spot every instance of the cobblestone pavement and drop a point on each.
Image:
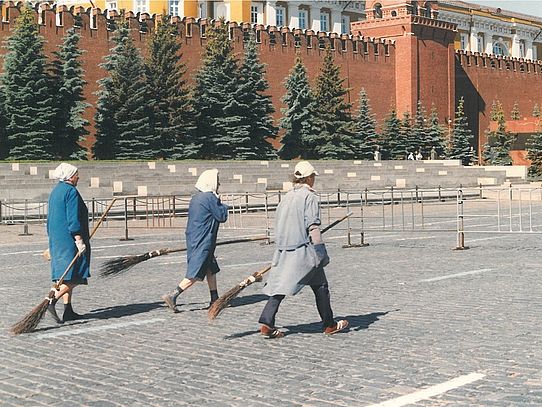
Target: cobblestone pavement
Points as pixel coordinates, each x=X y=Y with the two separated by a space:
x=430 y=326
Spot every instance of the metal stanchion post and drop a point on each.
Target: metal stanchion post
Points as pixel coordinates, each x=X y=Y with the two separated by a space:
x=125 y=221
x=460 y=222
x=25 y=226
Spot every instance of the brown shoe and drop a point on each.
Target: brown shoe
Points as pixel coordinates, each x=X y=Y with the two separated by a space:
x=339 y=326
x=271 y=333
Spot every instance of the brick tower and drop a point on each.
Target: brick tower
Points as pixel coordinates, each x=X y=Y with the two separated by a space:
x=424 y=52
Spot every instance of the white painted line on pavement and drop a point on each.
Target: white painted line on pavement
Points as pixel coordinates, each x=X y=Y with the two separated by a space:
x=465 y=273
x=80 y=331
x=432 y=391
x=354 y=235
x=484 y=238
x=416 y=238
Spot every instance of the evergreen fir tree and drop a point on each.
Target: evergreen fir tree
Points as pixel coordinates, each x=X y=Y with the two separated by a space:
x=536 y=110
x=172 y=115
x=461 y=138
x=3 y=139
x=257 y=107
x=26 y=88
x=219 y=125
x=534 y=153
x=365 y=137
x=123 y=99
x=104 y=147
x=495 y=107
x=420 y=131
x=499 y=142
x=68 y=83
x=435 y=134
x=515 y=114
x=391 y=149
x=298 y=117
x=405 y=143
x=336 y=138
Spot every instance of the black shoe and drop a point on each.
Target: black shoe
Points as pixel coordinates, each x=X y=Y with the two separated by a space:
x=69 y=314
x=52 y=311
x=170 y=300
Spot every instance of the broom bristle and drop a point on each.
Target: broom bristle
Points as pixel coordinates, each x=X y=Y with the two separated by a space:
x=120 y=265
x=223 y=301
x=31 y=320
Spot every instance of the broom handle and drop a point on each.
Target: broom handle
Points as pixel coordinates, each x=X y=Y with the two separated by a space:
x=96 y=226
x=224 y=242
x=260 y=273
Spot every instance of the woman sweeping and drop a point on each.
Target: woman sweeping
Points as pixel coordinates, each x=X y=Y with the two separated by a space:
x=67 y=228
x=300 y=255
x=205 y=213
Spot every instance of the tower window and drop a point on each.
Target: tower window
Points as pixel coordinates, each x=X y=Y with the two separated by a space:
x=253 y=14
x=378 y=10
x=302 y=19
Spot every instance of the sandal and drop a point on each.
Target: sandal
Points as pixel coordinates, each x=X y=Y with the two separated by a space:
x=339 y=326
x=271 y=333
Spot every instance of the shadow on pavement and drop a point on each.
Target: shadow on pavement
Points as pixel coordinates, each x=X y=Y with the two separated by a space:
x=65 y=324
x=248 y=300
x=119 y=311
x=357 y=323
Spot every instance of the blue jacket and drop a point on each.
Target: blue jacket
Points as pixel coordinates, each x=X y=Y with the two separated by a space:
x=67 y=217
x=205 y=213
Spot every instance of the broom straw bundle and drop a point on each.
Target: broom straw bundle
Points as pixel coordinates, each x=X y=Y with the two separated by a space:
x=233 y=292
x=33 y=318
x=121 y=265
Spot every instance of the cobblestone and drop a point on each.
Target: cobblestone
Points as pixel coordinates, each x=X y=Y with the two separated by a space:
x=408 y=331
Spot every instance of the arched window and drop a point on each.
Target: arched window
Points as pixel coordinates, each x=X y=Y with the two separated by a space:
x=378 y=10
x=500 y=49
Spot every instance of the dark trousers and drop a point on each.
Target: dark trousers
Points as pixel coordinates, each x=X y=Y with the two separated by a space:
x=323 y=304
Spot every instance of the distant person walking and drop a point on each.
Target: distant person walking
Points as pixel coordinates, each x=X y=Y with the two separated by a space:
x=68 y=231
x=300 y=254
x=377 y=155
x=205 y=213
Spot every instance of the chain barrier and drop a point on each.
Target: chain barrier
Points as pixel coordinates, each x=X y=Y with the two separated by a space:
x=462 y=211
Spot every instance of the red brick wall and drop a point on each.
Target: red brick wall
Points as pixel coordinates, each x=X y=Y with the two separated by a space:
x=373 y=72
x=434 y=73
x=483 y=79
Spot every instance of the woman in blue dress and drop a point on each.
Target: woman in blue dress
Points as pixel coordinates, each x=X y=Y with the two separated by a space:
x=67 y=228
x=205 y=213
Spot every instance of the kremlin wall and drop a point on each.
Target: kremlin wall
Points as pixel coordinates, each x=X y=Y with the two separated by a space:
x=398 y=60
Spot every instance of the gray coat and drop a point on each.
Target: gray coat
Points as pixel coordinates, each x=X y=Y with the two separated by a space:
x=295 y=263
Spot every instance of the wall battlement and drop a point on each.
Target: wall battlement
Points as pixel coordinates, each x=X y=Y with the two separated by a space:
x=499 y=62
x=93 y=22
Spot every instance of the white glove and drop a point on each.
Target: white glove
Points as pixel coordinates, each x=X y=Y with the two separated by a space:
x=81 y=247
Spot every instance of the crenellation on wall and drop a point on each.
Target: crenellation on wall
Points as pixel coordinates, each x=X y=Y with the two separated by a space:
x=498 y=62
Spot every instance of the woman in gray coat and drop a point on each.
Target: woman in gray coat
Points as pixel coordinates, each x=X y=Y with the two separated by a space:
x=300 y=254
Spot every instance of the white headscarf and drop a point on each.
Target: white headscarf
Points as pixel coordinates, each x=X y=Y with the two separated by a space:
x=65 y=171
x=208 y=181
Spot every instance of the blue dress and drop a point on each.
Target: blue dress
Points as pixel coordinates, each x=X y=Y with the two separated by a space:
x=67 y=217
x=205 y=213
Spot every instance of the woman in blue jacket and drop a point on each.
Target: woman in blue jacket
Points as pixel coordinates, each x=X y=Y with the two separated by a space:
x=205 y=213
x=67 y=228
